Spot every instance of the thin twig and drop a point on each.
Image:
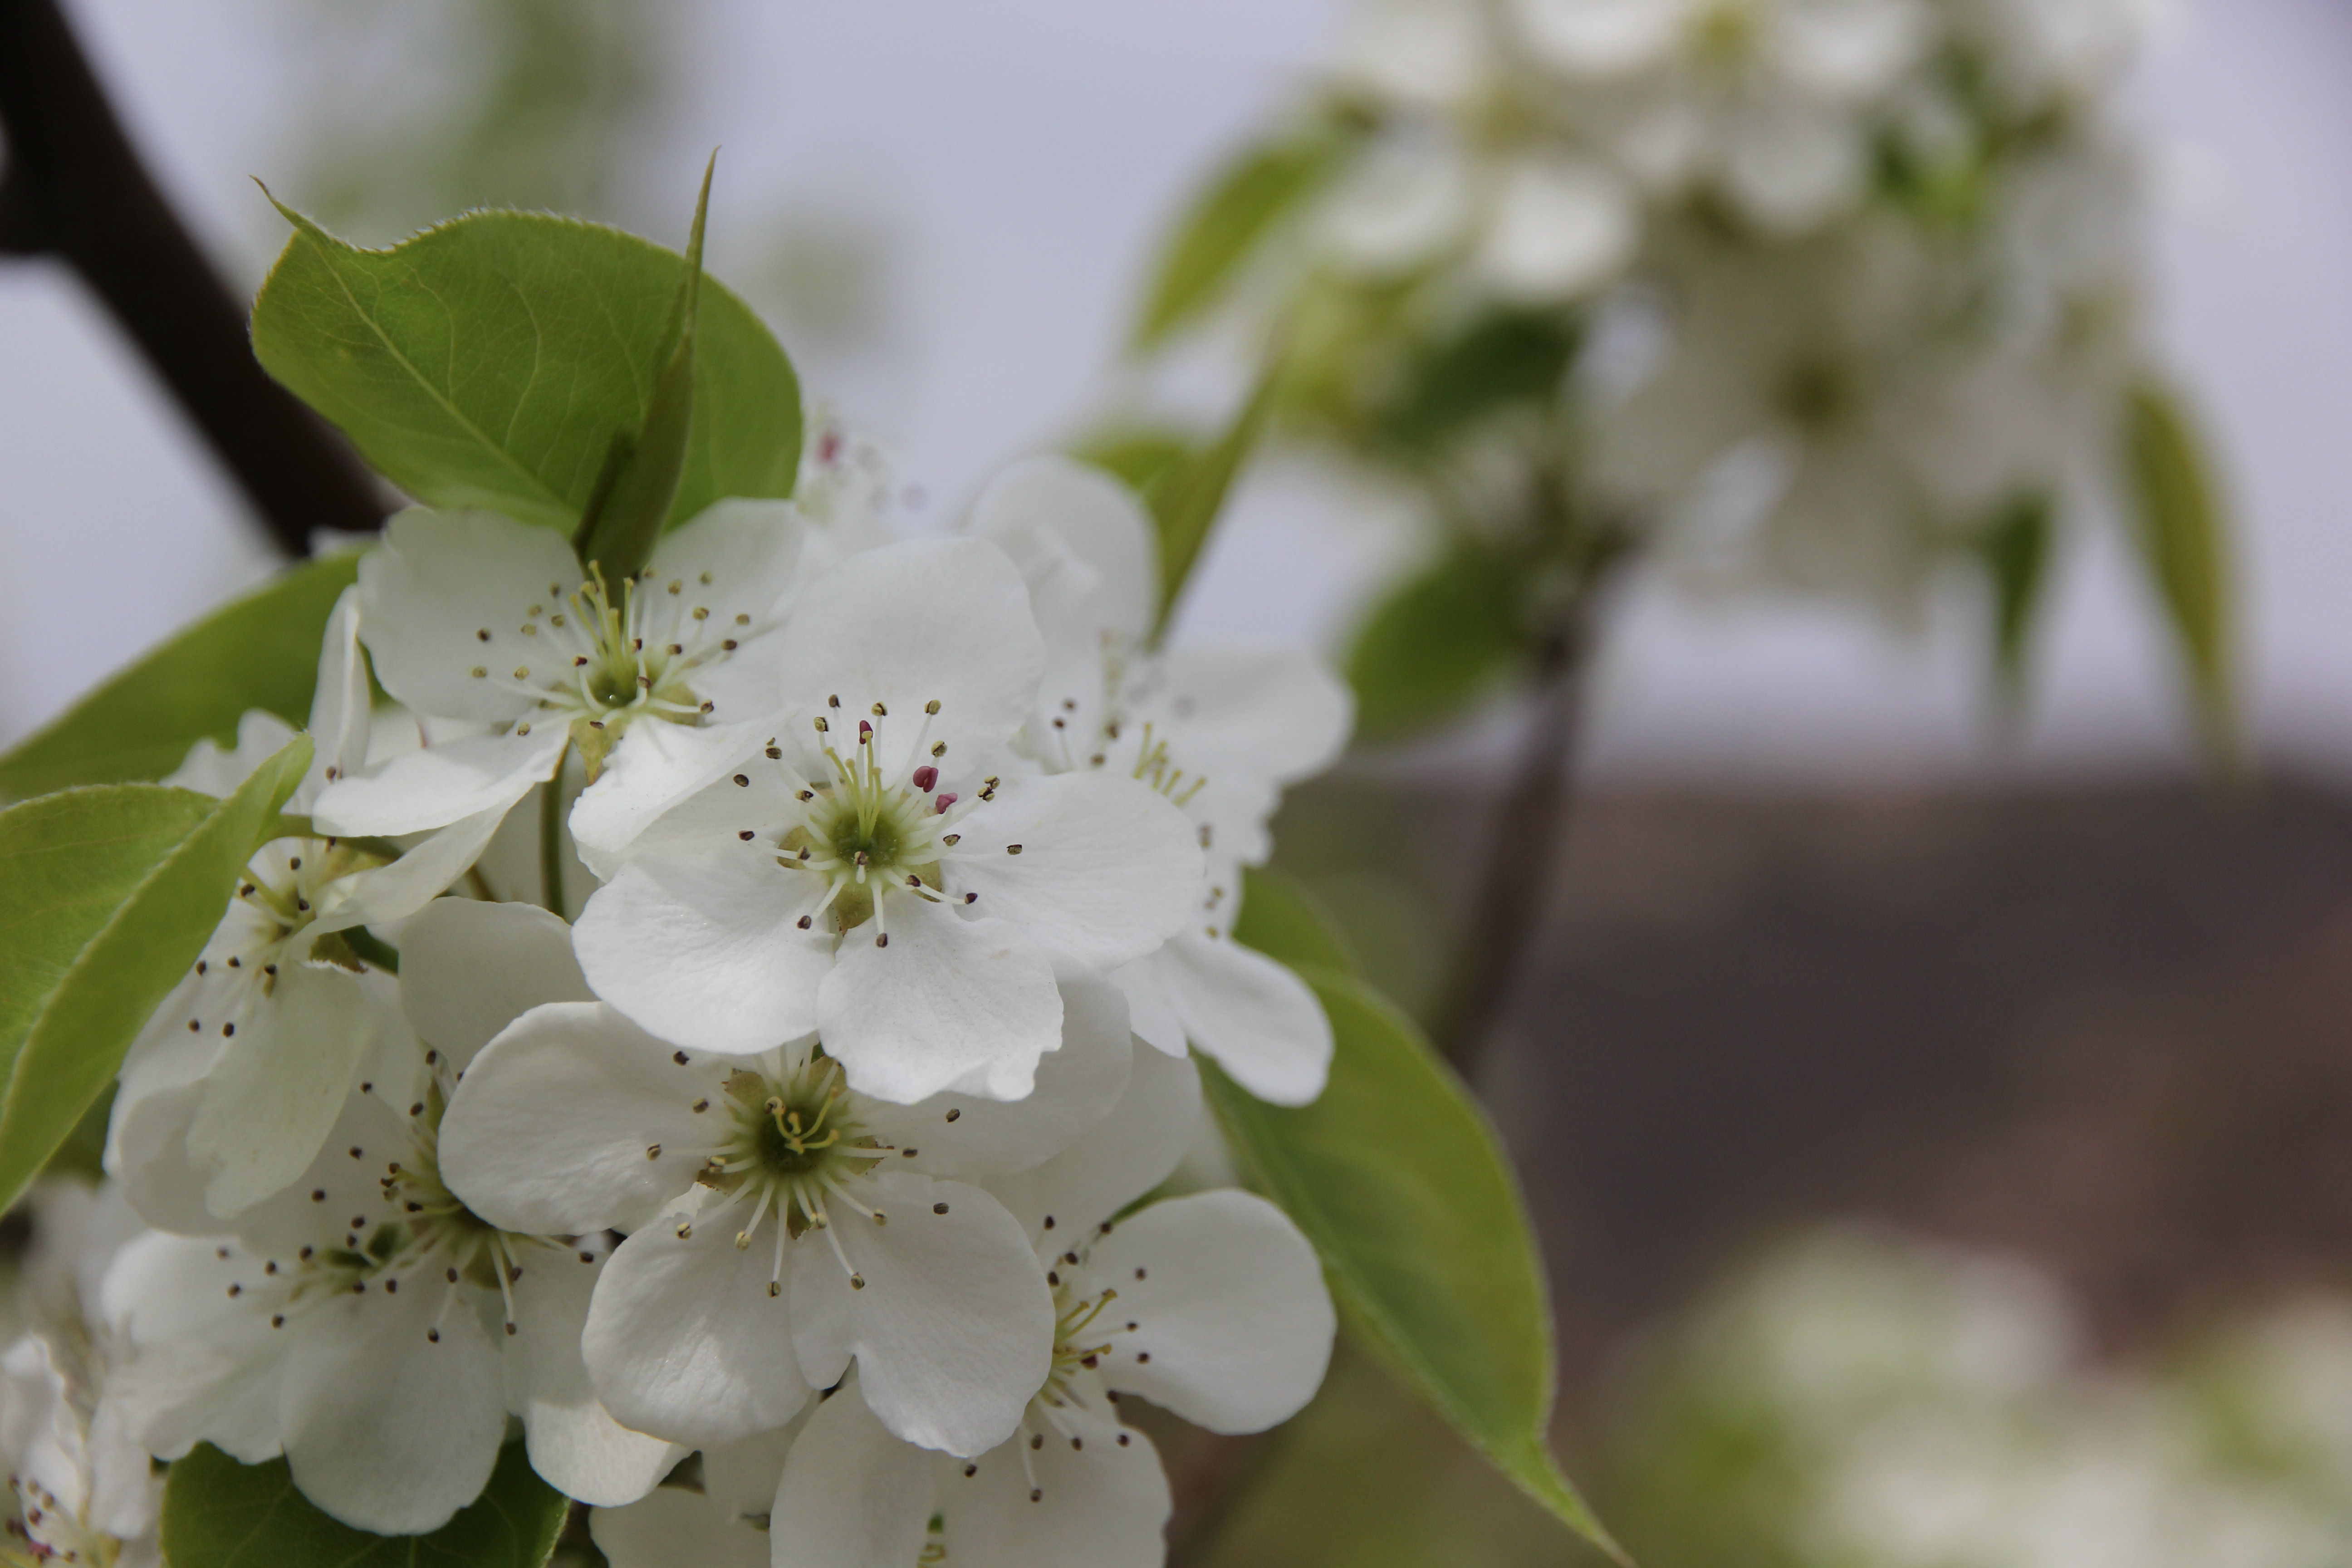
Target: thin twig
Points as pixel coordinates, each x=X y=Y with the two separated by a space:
x=75 y=189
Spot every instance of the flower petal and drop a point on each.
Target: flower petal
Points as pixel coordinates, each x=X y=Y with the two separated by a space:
x=1123 y=1156
x=954 y=1326
x=684 y=1341
x=1275 y=713
x=1235 y=1322
x=200 y=1368
x=386 y=1429
x=433 y=787
x=656 y=766
x=342 y=706
x=949 y=1003
x=1106 y=869
x=1102 y=1504
x=1150 y=1012
x=964 y=1136
x=671 y=1525
x=575 y=1445
x=468 y=968
x=706 y=950
x=853 y=1496
x=208 y=770
x=574 y=1119
x=1254 y=1015
x=943 y=620
x=1082 y=543
x=438 y=582
x=398 y=891
x=270 y=1100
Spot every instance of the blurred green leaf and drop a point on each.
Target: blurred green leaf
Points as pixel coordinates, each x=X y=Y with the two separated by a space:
x=1137 y=456
x=490 y=361
x=260 y=651
x=1441 y=641
x=1280 y=919
x=1498 y=359
x=113 y=890
x=1397 y=1179
x=2184 y=537
x=218 y=1513
x=1229 y=220
x=1186 y=497
x=2016 y=553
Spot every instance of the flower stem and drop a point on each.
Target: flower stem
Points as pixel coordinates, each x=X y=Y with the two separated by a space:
x=551 y=838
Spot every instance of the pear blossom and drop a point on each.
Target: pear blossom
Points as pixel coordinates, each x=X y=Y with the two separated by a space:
x=474 y=617
x=881 y=870
x=781 y=1224
x=1216 y=731
x=272 y=1022
x=365 y=1322
x=723 y=1524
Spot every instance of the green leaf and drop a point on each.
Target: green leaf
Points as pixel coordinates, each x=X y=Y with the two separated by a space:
x=1281 y=919
x=1187 y=496
x=218 y=1513
x=1439 y=643
x=113 y=890
x=260 y=651
x=2015 y=551
x=2184 y=537
x=1499 y=359
x=1136 y=456
x=491 y=362
x=618 y=529
x=1398 y=1180
x=1232 y=217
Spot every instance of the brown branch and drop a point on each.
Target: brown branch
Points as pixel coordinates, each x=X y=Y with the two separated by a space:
x=75 y=189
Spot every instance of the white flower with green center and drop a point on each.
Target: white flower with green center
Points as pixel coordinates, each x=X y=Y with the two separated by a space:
x=1217 y=731
x=367 y=1323
x=473 y=617
x=881 y=871
x=782 y=1225
x=271 y=1023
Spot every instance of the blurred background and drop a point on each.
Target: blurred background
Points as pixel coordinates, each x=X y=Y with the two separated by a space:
x=2062 y=1028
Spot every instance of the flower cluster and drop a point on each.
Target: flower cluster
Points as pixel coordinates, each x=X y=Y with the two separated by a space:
x=827 y=1142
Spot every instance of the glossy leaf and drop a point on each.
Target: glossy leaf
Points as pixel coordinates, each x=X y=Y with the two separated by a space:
x=1230 y=218
x=1188 y=495
x=260 y=651
x=112 y=891
x=2015 y=551
x=1398 y=1180
x=218 y=1513
x=492 y=361
x=1440 y=643
x=2184 y=537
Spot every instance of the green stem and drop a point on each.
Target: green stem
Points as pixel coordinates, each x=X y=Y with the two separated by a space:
x=551 y=838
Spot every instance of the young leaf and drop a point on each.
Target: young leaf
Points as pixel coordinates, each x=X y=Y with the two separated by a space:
x=1232 y=217
x=113 y=890
x=2016 y=554
x=618 y=529
x=491 y=361
x=1138 y=455
x=1440 y=642
x=1397 y=1179
x=1187 y=496
x=2184 y=536
x=1281 y=920
x=218 y=1513
x=1500 y=358
x=260 y=651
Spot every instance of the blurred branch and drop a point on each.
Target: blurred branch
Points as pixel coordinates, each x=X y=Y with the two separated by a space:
x=74 y=188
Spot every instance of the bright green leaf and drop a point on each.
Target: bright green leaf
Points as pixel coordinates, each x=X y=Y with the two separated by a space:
x=2015 y=551
x=1186 y=497
x=1399 y=1182
x=1441 y=641
x=2184 y=537
x=1230 y=218
x=113 y=890
x=1499 y=359
x=491 y=361
x=1280 y=919
x=260 y=651
x=218 y=1513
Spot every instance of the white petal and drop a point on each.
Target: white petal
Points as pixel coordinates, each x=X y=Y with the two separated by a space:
x=1075 y=1086
x=1082 y=543
x=1151 y=1012
x=201 y=1369
x=1235 y=1320
x=684 y=1341
x=1107 y=870
x=853 y=1496
x=385 y=1429
x=433 y=787
x=1601 y=37
x=1279 y=713
x=208 y=770
x=40 y=1433
x=1404 y=201
x=742 y=1476
x=1560 y=227
x=270 y=1100
x=949 y=1003
x=953 y=1328
x=1116 y=1161
x=708 y=950
x=943 y=620
x=398 y=891
x=1792 y=162
x=341 y=704
x=469 y=968
x=740 y=557
x=1257 y=1017
x=673 y=1526
x=1100 y=1506
x=438 y=582
x=655 y=766
x=575 y=1445
x=550 y=1129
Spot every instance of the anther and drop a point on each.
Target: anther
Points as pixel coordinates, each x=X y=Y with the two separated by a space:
x=857 y=1281
x=653 y=1151
x=803 y=923
x=924 y=778
x=747 y=834
x=882 y=939
x=1036 y=1440
x=953 y=1114
x=880 y=711
x=776 y=755
x=939 y=748
x=1036 y=1494
x=952 y=839
x=1013 y=849
x=742 y=781
x=938 y=1208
